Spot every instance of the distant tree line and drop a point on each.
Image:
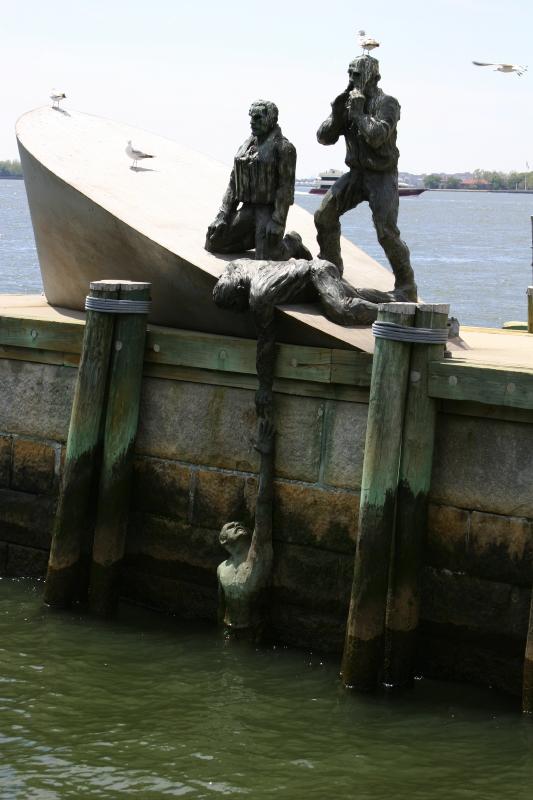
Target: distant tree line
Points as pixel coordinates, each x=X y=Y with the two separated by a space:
x=10 y=169
x=480 y=179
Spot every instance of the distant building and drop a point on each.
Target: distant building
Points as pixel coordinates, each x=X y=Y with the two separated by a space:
x=475 y=183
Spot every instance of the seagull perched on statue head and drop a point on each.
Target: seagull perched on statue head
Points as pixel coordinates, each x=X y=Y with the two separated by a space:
x=502 y=67
x=136 y=155
x=366 y=42
x=56 y=96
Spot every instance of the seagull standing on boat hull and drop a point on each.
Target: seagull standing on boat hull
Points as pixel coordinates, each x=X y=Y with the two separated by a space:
x=56 y=96
x=136 y=155
x=502 y=67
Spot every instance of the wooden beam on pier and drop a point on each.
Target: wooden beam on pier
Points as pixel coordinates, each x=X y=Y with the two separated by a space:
x=495 y=385
x=181 y=348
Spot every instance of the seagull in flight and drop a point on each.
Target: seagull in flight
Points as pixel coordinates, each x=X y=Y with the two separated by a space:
x=56 y=96
x=502 y=67
x=366 y=42
x=135 y=155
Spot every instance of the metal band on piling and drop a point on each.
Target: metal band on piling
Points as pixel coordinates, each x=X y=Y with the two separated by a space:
x=399 y=333
x=108 y=306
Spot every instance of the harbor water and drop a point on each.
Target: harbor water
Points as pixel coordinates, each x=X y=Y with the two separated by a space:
x=147 y=706
x=469 y=249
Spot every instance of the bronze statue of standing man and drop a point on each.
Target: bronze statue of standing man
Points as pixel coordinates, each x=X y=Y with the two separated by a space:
x=367 y=118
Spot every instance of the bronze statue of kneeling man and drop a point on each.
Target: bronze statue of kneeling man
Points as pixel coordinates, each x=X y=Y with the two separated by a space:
x=259 y=286
x=244 y=577
x=260 y=192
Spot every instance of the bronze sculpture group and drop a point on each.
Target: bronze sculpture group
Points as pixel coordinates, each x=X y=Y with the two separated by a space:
x=253 y=216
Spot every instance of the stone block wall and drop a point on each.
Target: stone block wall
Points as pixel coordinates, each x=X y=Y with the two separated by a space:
x=29 y=480
x=479 y=558
x=195 y=469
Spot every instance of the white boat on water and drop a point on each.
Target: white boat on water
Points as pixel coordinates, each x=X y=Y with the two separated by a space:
x=325 y=180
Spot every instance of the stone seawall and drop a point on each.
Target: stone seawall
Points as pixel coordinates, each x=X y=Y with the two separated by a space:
x=195 y=469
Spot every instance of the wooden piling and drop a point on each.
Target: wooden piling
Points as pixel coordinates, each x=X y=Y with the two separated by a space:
x=120 y=429
x=527 y=686
x=67 y=574
x=411 y=505
x=530 y=309
x=362 y=661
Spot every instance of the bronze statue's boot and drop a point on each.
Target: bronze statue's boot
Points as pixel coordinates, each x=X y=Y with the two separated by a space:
x=294 y=246
x=330 y=250
x=406 y=293
x=405 y=289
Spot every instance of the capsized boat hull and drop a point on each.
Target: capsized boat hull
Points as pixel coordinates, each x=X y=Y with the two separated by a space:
x=94 y=217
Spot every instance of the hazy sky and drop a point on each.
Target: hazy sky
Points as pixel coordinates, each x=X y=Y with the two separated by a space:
x=189 y=71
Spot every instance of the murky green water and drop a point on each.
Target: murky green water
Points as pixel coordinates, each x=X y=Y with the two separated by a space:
x=146 y=707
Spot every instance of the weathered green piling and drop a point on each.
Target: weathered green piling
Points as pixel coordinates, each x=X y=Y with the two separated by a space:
x=362 y=661
x=530 y=309
x=411 y=504
x=120 y=430
x=66 y=579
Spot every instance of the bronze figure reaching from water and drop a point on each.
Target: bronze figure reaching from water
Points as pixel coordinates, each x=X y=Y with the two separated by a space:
x=262 y=184
x=367 y=118
x=244 y=577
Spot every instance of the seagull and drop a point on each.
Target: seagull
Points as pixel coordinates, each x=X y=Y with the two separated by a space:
x=136 y=155
x=502 y=67
x=57 y=96
x=366 y=42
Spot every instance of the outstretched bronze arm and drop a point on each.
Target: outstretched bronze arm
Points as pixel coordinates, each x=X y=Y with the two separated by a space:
x=265 y=361
x=262 y=535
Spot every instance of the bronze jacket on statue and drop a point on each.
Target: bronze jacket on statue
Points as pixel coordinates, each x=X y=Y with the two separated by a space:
x=371 y=140
x=263 y=173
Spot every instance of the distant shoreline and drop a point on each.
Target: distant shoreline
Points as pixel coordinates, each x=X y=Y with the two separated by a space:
x=485 y=191
x=11 y=177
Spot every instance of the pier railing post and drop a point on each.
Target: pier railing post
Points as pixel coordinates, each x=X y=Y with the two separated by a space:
x=411 y=505
x=362 y=661
x=66 y=579
x=120 y=430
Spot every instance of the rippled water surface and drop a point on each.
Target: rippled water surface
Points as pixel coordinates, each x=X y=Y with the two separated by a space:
x=19 y=267
x=469 y=249
x=146 y=707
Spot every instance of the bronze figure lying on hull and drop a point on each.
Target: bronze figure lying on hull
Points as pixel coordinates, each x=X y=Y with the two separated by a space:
x=261 y=285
